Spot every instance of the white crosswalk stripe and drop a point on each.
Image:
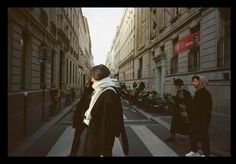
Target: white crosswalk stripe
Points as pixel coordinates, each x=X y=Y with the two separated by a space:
x=117 y=148
x=155 y=146
x=63 y=144
x=124 y=117
x=129 y=108
x=152 y=142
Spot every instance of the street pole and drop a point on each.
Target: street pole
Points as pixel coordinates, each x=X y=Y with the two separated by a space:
x=25 y=114
x=43 y=105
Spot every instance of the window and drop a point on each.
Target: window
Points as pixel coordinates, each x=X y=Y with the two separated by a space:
x=160 y=19
x=70 y=72
x=52 y=69
x=23 y=58
x=67 y=70
x=25 y=50
x=177 y=11
x=174 y=64
x=174 y=59
x=154 y=20
x=43 y=18
x=52 y=28
x=194 y=55
x=42 y=75
x=143 y=24
x=224 y=41
x=192 y=61
x=168 y=14
x=140 y=67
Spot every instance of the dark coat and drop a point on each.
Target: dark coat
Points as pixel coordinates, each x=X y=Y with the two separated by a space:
x=81 y=107
x=178 y=124
x=202 y=107
x=106 y=124
x=183 y=97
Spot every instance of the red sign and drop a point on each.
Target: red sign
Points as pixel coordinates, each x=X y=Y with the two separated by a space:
x=186 y=42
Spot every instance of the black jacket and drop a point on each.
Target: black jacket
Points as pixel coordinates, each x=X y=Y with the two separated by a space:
x=178 y=124
x=81 y=107
x=106 y=124
x=202 y=107
x=183 y=97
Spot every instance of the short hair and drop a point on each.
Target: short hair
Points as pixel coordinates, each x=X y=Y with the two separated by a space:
x=195 y=77
x=99 y=72
x=179 y=82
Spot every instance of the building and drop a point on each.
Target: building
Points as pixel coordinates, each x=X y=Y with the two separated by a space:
x=43 y=53
x=192 y=41
x=172 y=43
x=123 y=47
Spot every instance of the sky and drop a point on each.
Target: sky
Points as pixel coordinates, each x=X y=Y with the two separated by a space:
x=102 y=24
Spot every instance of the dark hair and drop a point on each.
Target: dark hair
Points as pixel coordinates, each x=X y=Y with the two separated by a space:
x=99 y=72
x=195 y=77
x=89 y=83
x=179 y=82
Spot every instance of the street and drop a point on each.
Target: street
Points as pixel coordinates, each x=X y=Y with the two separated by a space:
x=151 y=55
x=146 y=137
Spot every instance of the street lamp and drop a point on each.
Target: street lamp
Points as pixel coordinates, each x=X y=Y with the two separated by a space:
x=44 y=57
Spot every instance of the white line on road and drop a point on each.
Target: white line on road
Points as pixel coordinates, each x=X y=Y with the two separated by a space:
x=117 y=148
x=63 y=144
x=146 y=120
x=159 y=120
x=156 y=146
x=130 y=109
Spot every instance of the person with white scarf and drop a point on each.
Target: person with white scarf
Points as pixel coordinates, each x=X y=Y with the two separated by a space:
x=201 y=117
x=103 y=120
x=99 y=87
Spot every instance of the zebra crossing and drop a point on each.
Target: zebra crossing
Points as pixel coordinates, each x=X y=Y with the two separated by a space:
x=146 y=134
x=64 y=143
x=152 y=142
x=156 y=146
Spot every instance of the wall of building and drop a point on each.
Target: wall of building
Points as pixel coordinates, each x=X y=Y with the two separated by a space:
x=155 y=45
x=36 y=28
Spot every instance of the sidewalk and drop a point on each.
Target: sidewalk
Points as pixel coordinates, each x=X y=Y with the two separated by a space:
x=220 y=131
x=19 y=151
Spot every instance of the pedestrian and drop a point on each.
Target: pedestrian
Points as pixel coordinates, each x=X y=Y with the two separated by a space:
x=80 y=109
x=134 y=85
x=201 y=117
x=103 y=120
x=182 y=105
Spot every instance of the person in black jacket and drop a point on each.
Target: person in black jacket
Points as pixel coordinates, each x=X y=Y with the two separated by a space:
x=201 y=117
x=103 y=119
x=182 y=106
x=80 y=109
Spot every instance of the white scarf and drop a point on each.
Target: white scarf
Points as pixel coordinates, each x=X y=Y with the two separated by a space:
x=99 y=87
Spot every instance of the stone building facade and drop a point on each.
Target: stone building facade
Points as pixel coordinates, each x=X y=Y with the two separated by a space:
x=175 y=43
x=43 y=52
